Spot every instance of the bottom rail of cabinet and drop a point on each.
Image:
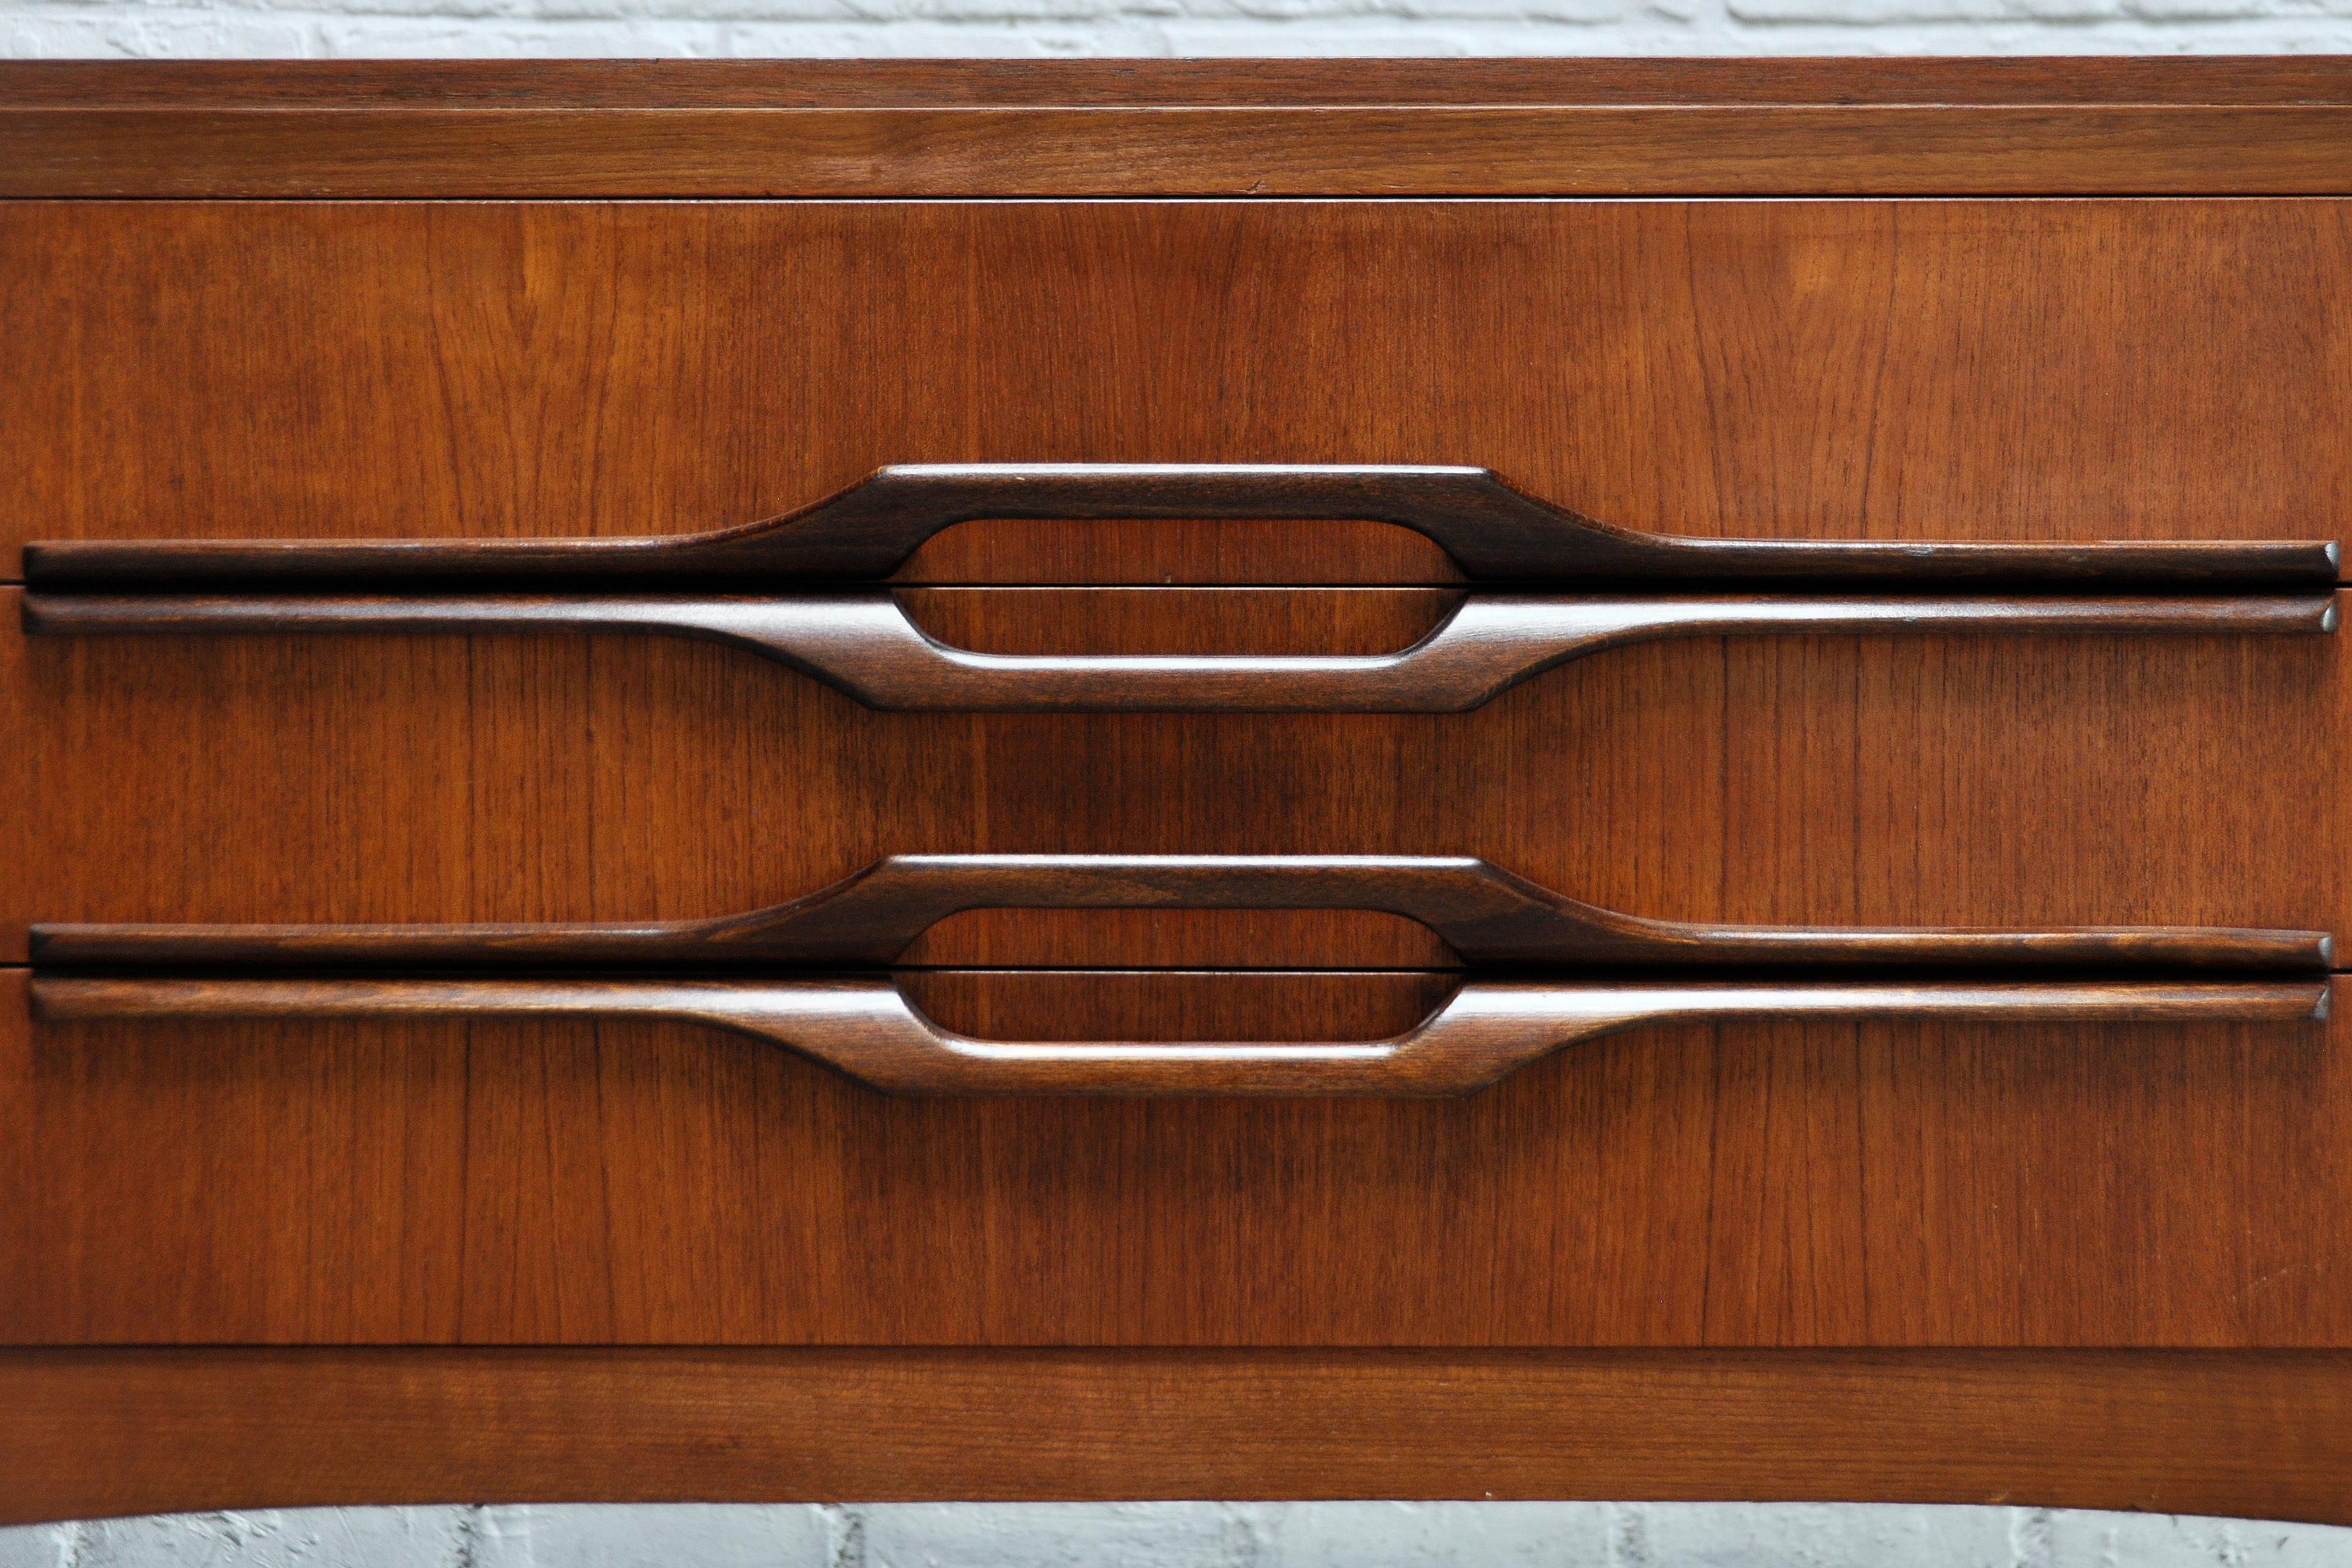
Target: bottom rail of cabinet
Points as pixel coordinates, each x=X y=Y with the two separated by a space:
x=95 y=1431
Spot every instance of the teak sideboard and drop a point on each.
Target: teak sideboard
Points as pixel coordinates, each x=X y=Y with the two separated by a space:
x=1341 y=779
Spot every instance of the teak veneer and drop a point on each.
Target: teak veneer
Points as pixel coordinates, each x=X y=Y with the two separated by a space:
x=1228 y=649
x=1251 y=129
x=2201 y=1433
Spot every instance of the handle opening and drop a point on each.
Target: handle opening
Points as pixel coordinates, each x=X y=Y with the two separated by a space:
x=1203 y=553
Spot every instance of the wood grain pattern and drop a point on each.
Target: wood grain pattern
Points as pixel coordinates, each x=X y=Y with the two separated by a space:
x=867 y=646
x=1995 y=372
x=1251 y=129
x=2024 y=784
x=1776 y=1185
x=1991 y=784
x=1485 y=916
x=94 y=1433
x=865 y=1028
x=1491 y=531
x=1168 y=83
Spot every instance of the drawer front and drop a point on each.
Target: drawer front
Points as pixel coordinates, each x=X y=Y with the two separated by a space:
x=2013 y=782
x=1770 y=1184
x=1834 y=370
x=2009 y=371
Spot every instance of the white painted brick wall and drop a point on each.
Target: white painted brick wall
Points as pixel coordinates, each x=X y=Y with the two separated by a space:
x=1178 y=1535
x=804 y=27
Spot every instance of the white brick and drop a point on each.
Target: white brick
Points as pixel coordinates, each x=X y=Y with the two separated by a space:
x=1728 y=1535
x=280 y=1538
x=443 y=39
x=1047 y=1535
x=2168 y=1540
x=1180 y=1535
x=280 y=29
x=1858 y=13
x=1438 y=1535
x=585 y=1535
x=39 y=1545
x=138 y=32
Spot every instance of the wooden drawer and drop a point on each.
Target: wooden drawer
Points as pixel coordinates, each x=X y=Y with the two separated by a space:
x=2020 y=369
x=1842 y=369
x=2005 y=781
x=1782 y=1185
x=1991 y=370
x=2020 y=782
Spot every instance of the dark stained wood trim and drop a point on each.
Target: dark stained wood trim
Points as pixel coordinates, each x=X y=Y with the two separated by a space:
x=2220 y=80
x=1484 y=913
x=88 y=1433
x=865 y=1028
x=1070 y=154
x=1333 y=128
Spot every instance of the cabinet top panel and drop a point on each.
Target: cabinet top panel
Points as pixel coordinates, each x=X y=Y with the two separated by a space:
x=1192 y=83
x=1257 y=128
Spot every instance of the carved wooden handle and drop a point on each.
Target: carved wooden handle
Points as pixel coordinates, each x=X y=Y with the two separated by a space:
x=1493 y=531
x=1486 y=914
x=868 y=1029
x=865 y=645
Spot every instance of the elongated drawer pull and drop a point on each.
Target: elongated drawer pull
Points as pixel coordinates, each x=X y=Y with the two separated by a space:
x=867 y=1028
x=1493 y=532
x=1486 y=914
x=865 y=645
